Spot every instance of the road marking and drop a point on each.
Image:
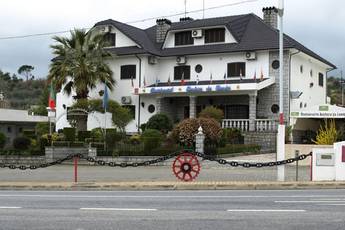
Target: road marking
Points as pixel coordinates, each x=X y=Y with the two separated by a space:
x=119 y=209
x=308 y=201
x=3 y=207
x=162 y=196
x=331 y=204
x=264 y=210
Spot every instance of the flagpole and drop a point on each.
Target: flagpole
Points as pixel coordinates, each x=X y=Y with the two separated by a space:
x=105 y=128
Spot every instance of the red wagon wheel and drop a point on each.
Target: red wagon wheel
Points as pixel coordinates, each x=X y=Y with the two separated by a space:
x=186 y=167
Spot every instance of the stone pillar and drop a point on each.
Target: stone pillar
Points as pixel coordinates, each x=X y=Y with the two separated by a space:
x=252 y=111
x=199 y=141
x=192 y=106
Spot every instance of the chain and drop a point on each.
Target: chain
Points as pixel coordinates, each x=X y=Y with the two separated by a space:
x=257 y=164
x=157 y=160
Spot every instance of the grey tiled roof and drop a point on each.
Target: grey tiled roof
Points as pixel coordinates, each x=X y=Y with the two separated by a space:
x=250 y=32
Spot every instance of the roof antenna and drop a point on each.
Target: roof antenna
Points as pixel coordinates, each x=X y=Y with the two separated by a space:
x=203 y=9
x=185 y=8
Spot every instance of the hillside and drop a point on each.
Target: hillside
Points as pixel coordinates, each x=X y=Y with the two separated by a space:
x=22 y=94
x=334 y=90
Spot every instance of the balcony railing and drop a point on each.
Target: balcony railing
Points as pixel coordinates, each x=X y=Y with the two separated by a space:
x=260 y=125
x=242 y=124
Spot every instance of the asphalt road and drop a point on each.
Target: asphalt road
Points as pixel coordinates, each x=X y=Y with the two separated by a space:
x=302 y=209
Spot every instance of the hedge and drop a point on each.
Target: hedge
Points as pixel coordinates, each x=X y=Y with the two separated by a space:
x=69 y=134
x=234 y=148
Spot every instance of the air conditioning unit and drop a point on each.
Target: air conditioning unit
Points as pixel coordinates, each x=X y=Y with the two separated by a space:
x=196 y=33
x=153 y=60
x=105 y=29
x=181 y=60
x=126 y=100
x=250 y=55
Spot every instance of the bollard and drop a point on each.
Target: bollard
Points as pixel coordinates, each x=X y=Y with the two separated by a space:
x=296 y=155
x=75 y=169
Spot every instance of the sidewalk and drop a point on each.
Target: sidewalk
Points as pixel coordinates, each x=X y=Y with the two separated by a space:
x=170 y=185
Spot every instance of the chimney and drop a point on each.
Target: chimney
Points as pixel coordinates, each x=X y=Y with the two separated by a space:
x=186 y=19
x=271 y=16
x=163 y=25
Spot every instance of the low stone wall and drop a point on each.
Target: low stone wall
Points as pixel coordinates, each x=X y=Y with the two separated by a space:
x=267 y=140
x=22 y=160
x=303 y=149
x=54 y=153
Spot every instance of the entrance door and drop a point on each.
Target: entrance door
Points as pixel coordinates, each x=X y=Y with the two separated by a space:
x=237 y=112
x=186 y=112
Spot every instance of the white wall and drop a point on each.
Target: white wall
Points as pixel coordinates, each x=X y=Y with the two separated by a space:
x=170 y=39
x=311 y=96
x=121 y=40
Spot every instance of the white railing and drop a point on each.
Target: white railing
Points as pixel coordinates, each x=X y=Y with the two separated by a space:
x=261 y=125
x=242 y=124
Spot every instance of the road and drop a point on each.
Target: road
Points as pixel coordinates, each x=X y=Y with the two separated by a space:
x=290 y=209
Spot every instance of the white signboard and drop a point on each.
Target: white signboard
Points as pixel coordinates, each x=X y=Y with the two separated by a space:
x=320 y=111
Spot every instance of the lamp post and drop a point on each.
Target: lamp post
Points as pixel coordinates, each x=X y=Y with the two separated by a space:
x=281 y=126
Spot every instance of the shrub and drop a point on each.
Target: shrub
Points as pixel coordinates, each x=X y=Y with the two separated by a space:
x=42 y=128
x=143 y=127
x=112 y=137
x=21 y=143
x=45 y=140
x=29 y=133
x=327 y=134
x=152 y=139
x=212 y=112
x=185 y=131
x=231 y=136
x=69 y=134
x=160 y=122
x=2 y=140
x=82 y=135
x=135 y=139
x=97 y=134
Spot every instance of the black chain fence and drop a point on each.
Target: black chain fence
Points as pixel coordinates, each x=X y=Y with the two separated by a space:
x=155 y=161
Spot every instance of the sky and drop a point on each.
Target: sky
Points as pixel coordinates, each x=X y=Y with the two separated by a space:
x=317 y=24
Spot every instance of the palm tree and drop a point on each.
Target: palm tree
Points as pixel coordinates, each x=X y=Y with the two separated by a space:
x=79 y=65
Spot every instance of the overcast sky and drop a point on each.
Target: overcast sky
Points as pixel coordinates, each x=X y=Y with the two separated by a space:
x=318 y=24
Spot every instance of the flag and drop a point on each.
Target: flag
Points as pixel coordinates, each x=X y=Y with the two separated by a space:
x=52 y=97
x=105 y=97
x=261 y=75
x=211 y=78
x=241 y=74
x=169 y=81
x=254 y=76
x=157 y=81
x=144 y=82
x=197 y=79
x=132 y=82
x=182 y=79
x=225 y=78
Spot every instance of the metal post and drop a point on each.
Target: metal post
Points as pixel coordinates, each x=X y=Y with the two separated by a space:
x=342 y=88
x=281 y=127
x=75 y=169
x=296 y=155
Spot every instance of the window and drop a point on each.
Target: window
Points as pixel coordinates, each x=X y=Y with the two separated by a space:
x=182 y=70
x=151 y=108
x=275 y=108
x=301 y=68
x=275 y=64
x=131 y=109
x=184 y=38
x=128 y=71
x=321 y=79
x=237 y=112
x=236 y=69
x=109 y=39
x=9 y=129
x=311 y=73
x=215 y=35
x=198 y=68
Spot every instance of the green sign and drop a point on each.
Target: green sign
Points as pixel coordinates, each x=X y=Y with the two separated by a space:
x=323 y=108
x=294 y=114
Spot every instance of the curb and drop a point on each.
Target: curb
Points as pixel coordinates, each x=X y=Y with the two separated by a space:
x=169 y=185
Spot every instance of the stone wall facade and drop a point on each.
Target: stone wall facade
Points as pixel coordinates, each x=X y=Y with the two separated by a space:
x=267 y=140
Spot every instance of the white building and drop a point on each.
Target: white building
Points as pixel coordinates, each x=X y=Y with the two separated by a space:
x=229 y=62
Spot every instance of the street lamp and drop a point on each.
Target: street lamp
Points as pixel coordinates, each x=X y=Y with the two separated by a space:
x=281 y=126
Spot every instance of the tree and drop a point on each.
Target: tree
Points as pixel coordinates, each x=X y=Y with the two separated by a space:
x=212 y=112
x=26 y=71
x=79 y=65
x=160 y=122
